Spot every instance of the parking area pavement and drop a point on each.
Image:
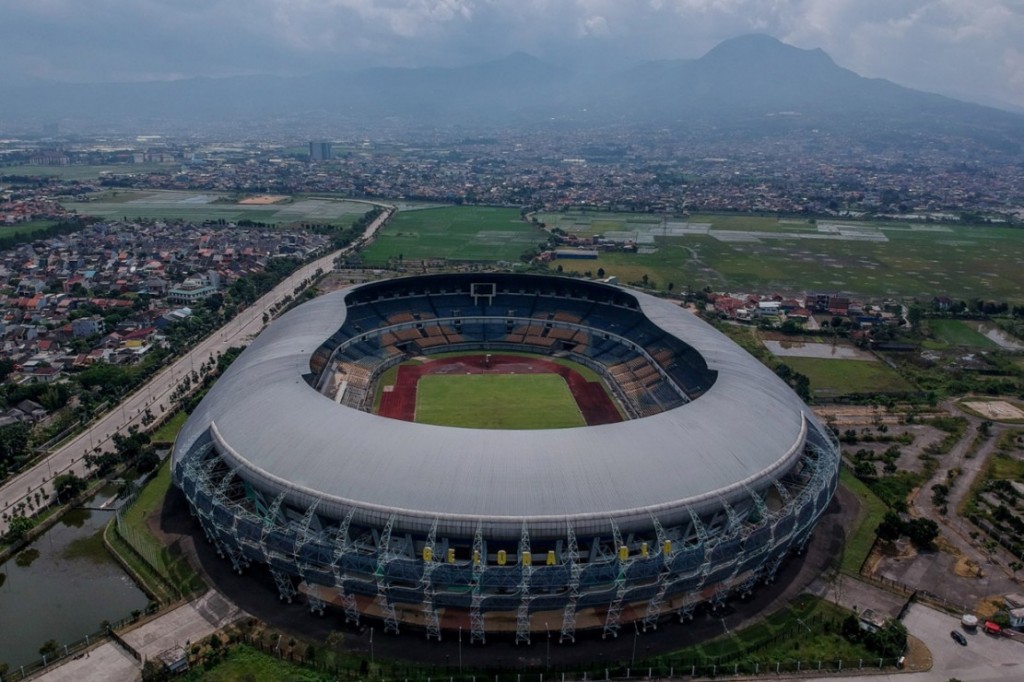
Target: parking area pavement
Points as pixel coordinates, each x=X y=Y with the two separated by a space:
x=984 y=659
x=189 y=623
x=105 y=663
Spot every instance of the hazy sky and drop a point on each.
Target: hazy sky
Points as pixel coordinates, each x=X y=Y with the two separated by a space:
x=968 y=48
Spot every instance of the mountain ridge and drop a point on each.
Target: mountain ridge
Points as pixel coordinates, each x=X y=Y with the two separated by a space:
x=741 y=80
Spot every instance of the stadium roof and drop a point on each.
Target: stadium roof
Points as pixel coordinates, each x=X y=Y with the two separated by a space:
x=284 y=436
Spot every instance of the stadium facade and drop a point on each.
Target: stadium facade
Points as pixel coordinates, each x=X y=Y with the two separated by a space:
x=719 y=472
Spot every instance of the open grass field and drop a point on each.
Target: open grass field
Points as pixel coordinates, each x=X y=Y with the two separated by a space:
x=169 y=430
x=831 y=378
x=473 y=233
x=170 y=565
x=497 y=401
x=899 y=260
x=26 y=228
x=88 y=172
x=958 y=333
x=861 y=535
x=784 y=636
x=245 y=663
x=198 y=206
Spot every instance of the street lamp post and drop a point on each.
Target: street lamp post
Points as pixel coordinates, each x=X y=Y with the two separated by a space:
x=547 y=654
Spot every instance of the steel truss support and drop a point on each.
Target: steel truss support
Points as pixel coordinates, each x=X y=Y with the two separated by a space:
x=768 y=519
x=569 y=613
x=736 y=529
x=476 y=616
x=302 y=537
x=686 y=612
x=285 y=588
x=387 y=608
x=239 y=562
x=654 y=606
x=526 y=571
x=341 y=547
x=614 y=615
x=314 y=599
x=429 y=612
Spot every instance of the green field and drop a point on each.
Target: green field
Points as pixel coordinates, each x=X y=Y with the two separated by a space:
x=471 y=233
x=245 y=663
x=89 y=172
x=831 y=378
x=861 y=534
x=957 y=333
x=165 y=570
x=497 y=401
x=200 y=206
x=26 y=228
x=921 y=261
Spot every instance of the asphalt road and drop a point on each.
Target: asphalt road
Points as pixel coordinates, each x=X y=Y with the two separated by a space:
x=155 y=395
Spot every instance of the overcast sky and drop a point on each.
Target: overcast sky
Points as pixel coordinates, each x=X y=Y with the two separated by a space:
x=973 y=49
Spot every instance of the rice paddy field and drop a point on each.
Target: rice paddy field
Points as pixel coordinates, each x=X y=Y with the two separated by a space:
x=753 y=253
x=835 y=378
x=470 y=233
x=497 y=401
x=198 y=206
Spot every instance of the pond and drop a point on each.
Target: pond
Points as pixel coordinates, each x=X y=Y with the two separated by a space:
x=63 y=586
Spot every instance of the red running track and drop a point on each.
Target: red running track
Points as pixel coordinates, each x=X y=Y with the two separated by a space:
x=593 y=401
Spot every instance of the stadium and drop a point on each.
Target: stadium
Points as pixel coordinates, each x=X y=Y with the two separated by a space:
x=691 y=472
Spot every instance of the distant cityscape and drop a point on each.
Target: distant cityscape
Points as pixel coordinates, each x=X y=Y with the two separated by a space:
x=606 y=169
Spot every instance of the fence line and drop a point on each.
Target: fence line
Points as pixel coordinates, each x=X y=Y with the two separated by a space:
x=363 y=669
x=74 y=649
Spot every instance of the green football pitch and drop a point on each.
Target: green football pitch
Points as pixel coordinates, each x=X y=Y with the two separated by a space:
x=496 y=401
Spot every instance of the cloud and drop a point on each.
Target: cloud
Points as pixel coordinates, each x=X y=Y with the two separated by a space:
x=966 y=47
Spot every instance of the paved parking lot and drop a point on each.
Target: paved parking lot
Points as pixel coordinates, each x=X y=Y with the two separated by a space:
x=984 y=659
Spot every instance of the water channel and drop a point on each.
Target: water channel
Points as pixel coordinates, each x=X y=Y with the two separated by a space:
x=63 y=586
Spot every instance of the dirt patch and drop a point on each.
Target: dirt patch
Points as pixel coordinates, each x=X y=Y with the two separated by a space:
x=263 y=200
x=996 y=410
x=989 y=606
x=918 y=657
x=966 y=568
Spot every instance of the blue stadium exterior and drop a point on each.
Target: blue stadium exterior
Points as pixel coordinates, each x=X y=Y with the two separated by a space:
x=719 y=473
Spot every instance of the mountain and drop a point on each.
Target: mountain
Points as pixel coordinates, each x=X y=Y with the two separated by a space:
x=751 y=83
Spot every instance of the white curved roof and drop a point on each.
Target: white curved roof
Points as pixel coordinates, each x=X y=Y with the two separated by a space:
x=282 y=434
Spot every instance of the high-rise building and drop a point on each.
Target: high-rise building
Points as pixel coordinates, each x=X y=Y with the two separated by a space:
x=319 y=151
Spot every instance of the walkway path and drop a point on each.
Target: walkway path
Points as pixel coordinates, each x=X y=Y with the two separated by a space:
x=187 y=624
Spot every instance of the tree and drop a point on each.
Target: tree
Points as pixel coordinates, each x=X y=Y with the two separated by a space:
x=922 y=532
x=13 y=441
x=891 y=527
x=67 y=486
x=19 y=527
x=600 y=273
x=864 y=469
x=48 y=648
x=915 y=314
x=147 y=460
x=851 y=628
x=888 y=641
